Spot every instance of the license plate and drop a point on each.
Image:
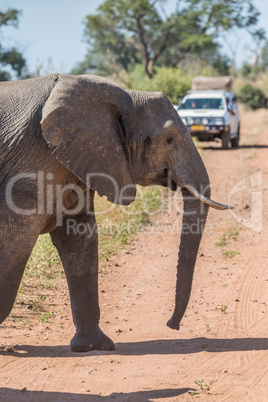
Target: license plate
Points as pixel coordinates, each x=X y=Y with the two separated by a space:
x=198 y=128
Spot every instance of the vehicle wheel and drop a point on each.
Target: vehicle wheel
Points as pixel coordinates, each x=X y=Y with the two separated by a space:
x=235 y=141
x=225 y=137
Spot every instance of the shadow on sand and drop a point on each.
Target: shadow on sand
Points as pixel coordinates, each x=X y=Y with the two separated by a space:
x=8 y=394
x=160 y=347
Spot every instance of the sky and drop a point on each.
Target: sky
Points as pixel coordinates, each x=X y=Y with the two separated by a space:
x=50 y=32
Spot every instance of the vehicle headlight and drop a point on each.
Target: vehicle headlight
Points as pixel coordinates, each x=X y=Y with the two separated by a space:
x=205 y=121
x=184 y=121
x=190 y=121
x=218 y=121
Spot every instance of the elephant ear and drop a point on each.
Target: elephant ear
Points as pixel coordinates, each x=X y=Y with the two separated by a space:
x=81 y=125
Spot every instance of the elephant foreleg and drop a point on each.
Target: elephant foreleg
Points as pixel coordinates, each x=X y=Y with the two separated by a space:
x=79 y=255
x=15 y=249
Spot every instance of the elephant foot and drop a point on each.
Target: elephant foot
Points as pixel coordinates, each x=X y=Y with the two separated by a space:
x=94 y=340
x=173 y=324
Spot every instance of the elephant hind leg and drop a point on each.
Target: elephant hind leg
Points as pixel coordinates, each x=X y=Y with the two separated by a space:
x=14 y=253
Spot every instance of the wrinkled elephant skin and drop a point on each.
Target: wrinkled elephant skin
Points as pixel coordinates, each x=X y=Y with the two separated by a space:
x=61 y=139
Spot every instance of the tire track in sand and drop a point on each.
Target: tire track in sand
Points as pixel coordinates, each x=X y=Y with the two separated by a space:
x=249 y=325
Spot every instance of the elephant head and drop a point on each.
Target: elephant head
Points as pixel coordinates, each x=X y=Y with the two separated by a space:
x=121 y=138
x=162 y=152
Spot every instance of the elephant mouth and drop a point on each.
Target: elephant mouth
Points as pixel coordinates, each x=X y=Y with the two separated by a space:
x=168 y=182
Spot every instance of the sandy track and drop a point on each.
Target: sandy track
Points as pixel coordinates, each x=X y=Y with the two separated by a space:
x=223 y=337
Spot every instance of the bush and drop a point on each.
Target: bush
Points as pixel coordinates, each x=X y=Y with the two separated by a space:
x=252 y=97
x=171 y=81
x=246 y=70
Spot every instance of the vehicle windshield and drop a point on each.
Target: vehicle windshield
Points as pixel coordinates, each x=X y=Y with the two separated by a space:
x=202 y=103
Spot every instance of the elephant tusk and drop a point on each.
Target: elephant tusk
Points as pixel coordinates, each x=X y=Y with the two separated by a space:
x=206 y=200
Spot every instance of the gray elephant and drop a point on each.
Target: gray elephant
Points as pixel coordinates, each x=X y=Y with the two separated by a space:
x=64 y=137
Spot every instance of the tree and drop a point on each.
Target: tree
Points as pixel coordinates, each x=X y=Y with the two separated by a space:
x=11 y=60
x=124 y=33
x=253 y=97
x=246 y=70
x=127 y=32
x=264 y=57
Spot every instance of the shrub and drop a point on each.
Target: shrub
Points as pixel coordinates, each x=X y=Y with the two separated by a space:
x=246 y=70
x=252 y=97
x=171 y=81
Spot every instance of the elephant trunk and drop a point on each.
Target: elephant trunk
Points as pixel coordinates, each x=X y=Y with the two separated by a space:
x=194 y=218
x=192 y=177
x=195 y=186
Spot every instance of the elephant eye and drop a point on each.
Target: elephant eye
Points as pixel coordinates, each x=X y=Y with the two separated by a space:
x=170 y=140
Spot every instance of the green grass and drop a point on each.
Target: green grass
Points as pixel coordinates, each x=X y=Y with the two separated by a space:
x=117 y=225
x=223 y=308
x=230 y=254
x=44 y=262
x=233 y=234
x=45 y=317
x=205 y=386
x=222 y=242
x=24 y=320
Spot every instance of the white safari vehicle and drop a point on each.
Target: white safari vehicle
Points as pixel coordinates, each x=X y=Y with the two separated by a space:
x=210 y=114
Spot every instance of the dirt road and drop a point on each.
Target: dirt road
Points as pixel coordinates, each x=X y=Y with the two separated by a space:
x=220 y=352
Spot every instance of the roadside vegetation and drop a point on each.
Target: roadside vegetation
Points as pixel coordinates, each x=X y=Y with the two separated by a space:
x=174 y=82
x=117 y=225
x=229 y=239
x=252 y=97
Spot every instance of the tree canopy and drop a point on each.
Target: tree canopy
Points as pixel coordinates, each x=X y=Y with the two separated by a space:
x=11 y=60
x=124 y=33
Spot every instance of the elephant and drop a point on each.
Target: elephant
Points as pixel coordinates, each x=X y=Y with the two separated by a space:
x=65 y=137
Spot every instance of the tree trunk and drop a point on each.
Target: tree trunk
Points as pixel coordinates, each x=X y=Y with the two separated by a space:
x=149 y=64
